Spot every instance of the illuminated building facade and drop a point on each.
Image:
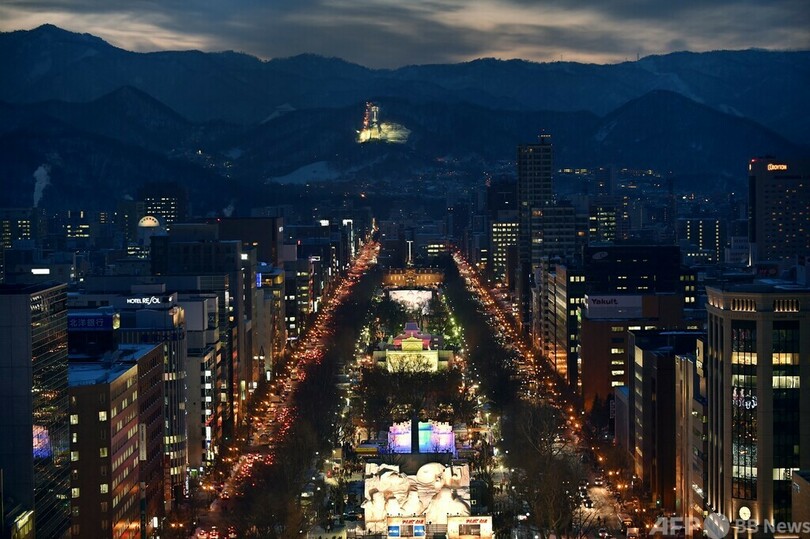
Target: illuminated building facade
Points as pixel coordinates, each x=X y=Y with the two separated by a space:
x=413 y=351
x=197 y=250
x=535 y=194
x=609 y=270
x=604 y=323
x=690 y=432
x=705 y=233
x=603 y=218
x=105 y=493
x=653 y=408
x=93 y=346
x=149 y=314
x=503 y=236
x=19 y=224
x=757 y=359
x=34 y=397
x=779 y=209
x=203 y=350
x=165 y=200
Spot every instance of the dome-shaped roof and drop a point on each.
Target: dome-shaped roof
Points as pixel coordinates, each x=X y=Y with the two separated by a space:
x=148 y=221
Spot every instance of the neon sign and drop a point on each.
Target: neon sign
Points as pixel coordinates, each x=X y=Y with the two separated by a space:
x=144 y=301
x=777 y=166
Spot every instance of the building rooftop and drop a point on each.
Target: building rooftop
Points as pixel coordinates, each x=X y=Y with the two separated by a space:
x=26 y=288
x=85 y=369
x=763 y=286
x=95 y=372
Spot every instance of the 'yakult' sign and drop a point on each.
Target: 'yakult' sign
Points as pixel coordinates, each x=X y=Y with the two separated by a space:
x=613 y=306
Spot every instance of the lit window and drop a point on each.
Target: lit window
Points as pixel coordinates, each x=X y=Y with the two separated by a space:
x=102 y=416
x=102 y=452
x=104 y=488
x=74 y=419
x=74 y=456
x=74 y=492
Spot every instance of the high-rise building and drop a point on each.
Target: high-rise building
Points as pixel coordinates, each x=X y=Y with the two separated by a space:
x=196 y=249
x=603 y=217
x=203 y=346
x=18 y=224
x=535 y=194
x=105 y=493
x=705 y=233
x=149 y=314
x=653 y=409
x=168 y=201
x=263 y=233
x=93 y=347
x=757 y=378
x=690 y=433
x=33 y=395
x=503 y=236
x=779 y=209
x=603 y=182
x=562 y=292
x=607 y=270
x=605 y=321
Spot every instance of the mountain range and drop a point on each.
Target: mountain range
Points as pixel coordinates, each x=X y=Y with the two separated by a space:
x=102 y=119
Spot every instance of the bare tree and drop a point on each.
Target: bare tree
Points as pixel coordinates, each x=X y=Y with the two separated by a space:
x=548 y=476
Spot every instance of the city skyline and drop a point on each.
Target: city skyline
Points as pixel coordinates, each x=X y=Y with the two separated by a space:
x=383 y=34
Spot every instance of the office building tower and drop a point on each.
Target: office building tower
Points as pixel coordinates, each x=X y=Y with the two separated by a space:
x=603 y=217
x=779 y=210
x=757 y=379
x=93 y=347
x=203 y=350
x=605 y=320
x=653 y=409
x=503 y=237
x=535 y=195
x=105 y=495
x=603 y=182
x=196 y=249
x=690 y=433
x=708 y=234
x=20 y=226
x=33 y=395
x=150 y=315
x=562 y=292
x=168 y=201
x=263 y=233
x=208 y=389
x=613 y=271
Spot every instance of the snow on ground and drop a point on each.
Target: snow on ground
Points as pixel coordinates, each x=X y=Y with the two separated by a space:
x=320 y=171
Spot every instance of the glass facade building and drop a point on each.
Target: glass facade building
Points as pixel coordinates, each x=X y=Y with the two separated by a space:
x=34 y=447
x=758 y=374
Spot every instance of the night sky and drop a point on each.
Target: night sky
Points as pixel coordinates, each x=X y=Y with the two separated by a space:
x=392 y=33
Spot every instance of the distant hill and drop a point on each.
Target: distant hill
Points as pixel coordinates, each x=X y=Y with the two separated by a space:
x=51 y=63
x=104 y=120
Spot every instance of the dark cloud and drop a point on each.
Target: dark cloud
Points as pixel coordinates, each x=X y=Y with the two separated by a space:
x=390 y=33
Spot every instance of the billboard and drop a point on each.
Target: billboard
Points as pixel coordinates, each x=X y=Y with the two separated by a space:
x=469 y=527
x=613 y=306
x=404 y=527
x=93 y=321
